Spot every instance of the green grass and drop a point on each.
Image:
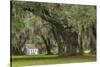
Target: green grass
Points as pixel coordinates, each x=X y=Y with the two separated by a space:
x=48 y=59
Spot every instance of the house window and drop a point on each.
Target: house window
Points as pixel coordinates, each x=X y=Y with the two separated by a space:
x=35 y=50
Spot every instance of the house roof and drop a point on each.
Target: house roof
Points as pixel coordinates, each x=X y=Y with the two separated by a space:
x=31 y=46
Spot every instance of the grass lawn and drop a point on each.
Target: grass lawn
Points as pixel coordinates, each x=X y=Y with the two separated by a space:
x=48 y=59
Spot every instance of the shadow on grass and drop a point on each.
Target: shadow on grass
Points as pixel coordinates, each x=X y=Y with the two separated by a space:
x=46 y=57
x=35 y=58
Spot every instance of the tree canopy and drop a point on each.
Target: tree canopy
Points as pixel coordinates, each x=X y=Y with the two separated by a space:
x=63 y=29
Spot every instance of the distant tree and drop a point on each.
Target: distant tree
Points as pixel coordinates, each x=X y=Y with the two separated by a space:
x=71 y=27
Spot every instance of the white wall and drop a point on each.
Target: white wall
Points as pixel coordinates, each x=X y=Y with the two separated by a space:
x=31 y=51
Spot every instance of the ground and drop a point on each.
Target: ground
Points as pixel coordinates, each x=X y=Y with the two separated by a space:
x=49 y=59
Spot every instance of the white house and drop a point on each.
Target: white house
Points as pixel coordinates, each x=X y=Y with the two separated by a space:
x=31 y=49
